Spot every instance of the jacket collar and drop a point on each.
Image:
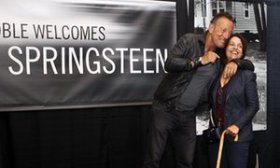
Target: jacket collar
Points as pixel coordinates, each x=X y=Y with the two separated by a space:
x=230 y=87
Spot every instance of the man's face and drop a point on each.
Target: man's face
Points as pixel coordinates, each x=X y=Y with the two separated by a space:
x=220 y=31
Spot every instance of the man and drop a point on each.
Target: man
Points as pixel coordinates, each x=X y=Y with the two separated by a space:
x=191 y=66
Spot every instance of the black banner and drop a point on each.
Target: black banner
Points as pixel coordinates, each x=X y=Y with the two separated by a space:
x=76 y=54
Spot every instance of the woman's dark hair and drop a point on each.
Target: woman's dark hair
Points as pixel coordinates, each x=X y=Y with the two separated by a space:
x=243 y=41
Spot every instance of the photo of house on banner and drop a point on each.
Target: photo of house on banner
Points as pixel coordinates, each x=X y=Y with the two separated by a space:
x=250 y=19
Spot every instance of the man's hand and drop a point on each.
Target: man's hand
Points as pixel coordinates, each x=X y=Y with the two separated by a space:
x=230 y=70
x=209 y=57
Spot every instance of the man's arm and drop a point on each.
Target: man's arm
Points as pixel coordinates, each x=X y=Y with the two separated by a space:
x=178 y=59
x=231 y=67
x=244 y=64
x=181 y=57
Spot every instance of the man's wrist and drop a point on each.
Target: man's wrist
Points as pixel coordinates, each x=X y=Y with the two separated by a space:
x=197 y=62
x=237 y=62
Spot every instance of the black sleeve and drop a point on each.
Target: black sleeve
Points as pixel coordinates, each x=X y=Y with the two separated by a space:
x=244 y=64
x=178 y=59
x=252 y=101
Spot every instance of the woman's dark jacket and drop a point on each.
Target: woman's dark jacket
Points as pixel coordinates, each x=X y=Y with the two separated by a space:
x=241 y=102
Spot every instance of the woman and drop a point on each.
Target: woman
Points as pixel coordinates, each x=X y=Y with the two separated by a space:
x=234 y=103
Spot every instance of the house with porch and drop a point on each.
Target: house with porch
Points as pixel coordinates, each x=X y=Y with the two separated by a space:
x=243 y=13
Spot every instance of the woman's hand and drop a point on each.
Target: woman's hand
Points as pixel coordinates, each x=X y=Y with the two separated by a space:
x=233 y=130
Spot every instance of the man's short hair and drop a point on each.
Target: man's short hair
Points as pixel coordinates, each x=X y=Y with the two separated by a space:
x=222 y=14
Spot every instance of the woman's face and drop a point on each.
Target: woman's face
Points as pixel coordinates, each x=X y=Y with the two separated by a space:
x=234 y=49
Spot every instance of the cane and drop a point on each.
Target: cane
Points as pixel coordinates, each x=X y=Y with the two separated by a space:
x=221 y=144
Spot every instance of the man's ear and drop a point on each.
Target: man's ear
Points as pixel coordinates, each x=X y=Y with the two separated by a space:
x=211 y=28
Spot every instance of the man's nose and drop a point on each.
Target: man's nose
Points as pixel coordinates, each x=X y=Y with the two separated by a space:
x=226 y=35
